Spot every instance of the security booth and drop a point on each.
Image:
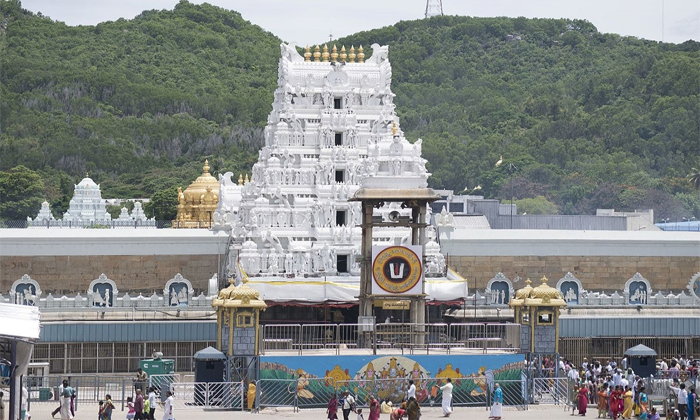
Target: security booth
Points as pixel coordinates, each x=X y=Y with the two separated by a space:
x=537 y=310
x=19 y=330
x=210 y=368
x=642 y=360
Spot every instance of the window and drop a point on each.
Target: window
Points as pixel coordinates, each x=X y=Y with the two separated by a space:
x=338 y=103
x=244 y=319
x=340 y=217
x=545 y=318
x=338 y=139
x=339 y=176
x=342 y=263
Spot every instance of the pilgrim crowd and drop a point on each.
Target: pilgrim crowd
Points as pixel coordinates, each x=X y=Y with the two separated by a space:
x=619 y=393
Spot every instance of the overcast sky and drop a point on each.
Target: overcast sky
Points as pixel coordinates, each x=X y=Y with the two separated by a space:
x=312 y=21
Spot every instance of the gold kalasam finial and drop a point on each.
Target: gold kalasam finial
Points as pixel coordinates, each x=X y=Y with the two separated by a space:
x=361 y=55
x=206 y=166
x=334 y=54
x=240 y=179
x=528 y=282
x=307 y=54
x=317 y=53
x=544 y=279
x=324 y=56
x=246 y=179
x=343 y=54
x=352 y=54
x=393 y=129
x=87 y=174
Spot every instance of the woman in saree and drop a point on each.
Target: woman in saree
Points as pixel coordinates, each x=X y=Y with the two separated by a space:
x=603 y=401
x=582 y=400
x=332 y=409
x=615 y=399
x=643 y=404
x=627 y=403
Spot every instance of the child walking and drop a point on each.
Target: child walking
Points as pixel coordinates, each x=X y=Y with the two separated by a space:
x=132 y=411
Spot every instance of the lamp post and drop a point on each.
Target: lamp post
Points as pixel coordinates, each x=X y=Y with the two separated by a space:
x=511 y=169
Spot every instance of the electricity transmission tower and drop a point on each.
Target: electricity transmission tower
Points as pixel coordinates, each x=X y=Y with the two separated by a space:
x=433 y=8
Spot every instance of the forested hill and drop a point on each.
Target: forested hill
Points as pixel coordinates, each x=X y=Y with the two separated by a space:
x=588 y=119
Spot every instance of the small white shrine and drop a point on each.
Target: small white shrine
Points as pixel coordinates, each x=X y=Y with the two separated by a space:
x=333 y=128
x=87 y=204
x=87 y=207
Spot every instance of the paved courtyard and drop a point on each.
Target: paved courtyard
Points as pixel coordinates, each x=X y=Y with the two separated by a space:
x=549 y=412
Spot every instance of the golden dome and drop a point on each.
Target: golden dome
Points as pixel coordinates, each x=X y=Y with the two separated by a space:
x=524 y=293
x=199 y=187
x=242 y=296
x=196 y=205
x=542 y=295
x=545 y=292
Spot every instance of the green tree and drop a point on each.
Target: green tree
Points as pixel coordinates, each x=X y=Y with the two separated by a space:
x=21 y=193
x=694 y=175
x=537 y=205
x=163 y=205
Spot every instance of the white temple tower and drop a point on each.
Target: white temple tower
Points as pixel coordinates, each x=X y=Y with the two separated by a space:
x=333 y=127
x=87 y=205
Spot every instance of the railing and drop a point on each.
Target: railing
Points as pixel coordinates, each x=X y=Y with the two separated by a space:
x=405 y=337
x=111 y=224
x=315 y=393
x=207 y=395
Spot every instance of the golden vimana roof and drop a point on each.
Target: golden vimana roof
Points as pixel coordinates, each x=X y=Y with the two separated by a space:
x=544 y=291
x=242 y=296
x=542 y=295
x=204 y=181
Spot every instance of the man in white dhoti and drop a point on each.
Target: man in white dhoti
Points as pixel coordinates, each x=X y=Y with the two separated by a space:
x=168 y=409
x=447 y=398
x=65 y=401
x=497 y=407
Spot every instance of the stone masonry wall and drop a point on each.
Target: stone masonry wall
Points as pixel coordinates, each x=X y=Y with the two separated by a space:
x=597 y=273
x=244 y=341
x=545 y=339
x=525 y=338
x=137 y=273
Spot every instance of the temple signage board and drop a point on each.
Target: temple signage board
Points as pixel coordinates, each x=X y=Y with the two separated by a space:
x=396 y=305
x=397 y=270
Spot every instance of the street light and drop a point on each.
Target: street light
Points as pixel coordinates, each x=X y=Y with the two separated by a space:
x=511 y=170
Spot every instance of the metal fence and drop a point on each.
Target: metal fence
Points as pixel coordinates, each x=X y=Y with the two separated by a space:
x=315 y=393
x=111 y=224
x=43 y=390
x=208 y=395
x=308 y=393
x=88 y=389
x=406 y=337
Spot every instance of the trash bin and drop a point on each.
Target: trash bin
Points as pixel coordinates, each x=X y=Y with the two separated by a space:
x=45 y=394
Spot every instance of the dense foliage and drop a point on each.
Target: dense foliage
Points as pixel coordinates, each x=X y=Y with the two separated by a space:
x=586 y=119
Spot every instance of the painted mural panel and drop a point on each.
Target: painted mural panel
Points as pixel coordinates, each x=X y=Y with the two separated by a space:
x=313 y=379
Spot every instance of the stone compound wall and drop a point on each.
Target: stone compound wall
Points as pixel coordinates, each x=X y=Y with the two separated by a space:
x=545 y=339
x=244 y=341
x=525 y=339
x=597 y=273
x=132 y=273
